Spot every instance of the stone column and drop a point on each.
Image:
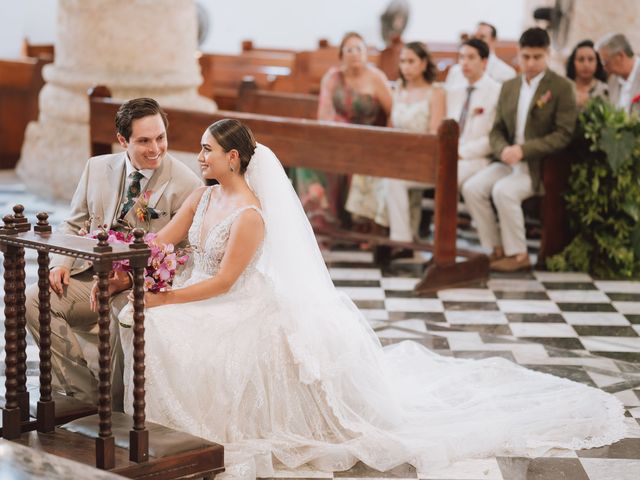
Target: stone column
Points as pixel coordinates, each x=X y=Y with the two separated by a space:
x=591 y=19
x=134 y=47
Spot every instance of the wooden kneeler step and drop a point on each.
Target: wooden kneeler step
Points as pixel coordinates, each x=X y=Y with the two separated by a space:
x=172 y=454
x=168 y=449
x=67 y=409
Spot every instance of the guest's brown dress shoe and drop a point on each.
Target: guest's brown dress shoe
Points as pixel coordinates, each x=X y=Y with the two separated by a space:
x=494 y=257
x=510 y=264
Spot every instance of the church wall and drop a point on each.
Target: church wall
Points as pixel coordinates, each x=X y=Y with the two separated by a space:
x=288 y=23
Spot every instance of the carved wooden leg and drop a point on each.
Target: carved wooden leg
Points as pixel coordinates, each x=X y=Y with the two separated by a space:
x=139 y=436
x=444 y=271
x=21 y=353
x=105 y=445
x=46 y=406
x=11 y=413
x=446 y=197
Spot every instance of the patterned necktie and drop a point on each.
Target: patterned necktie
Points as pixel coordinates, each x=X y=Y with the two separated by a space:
x=465 y=109
x=132 y=192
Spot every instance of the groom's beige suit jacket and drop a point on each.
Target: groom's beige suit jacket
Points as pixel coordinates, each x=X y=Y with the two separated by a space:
x=100 y=194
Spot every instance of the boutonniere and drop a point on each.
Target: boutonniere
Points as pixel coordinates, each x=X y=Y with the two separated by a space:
x=478 y=111
x=635 y=99
x=543 y=99
x=145 y=213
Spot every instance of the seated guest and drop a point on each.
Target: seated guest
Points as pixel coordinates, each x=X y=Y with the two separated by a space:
x=496 y=68
x=535 y=117
x=358 y=93
x=474 y=106
x=623 y=68
x=585 y=69
x=418 y=106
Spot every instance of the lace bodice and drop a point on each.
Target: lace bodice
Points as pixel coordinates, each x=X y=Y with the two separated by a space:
x=413 y=116
x=208 y=256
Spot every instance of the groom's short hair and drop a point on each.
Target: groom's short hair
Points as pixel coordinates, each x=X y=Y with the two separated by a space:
x=135 y=109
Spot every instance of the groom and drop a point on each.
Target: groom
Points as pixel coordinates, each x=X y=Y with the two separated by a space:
x=108 y=193
x=535 y=117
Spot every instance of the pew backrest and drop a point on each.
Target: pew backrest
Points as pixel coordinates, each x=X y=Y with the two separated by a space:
x=20 y=84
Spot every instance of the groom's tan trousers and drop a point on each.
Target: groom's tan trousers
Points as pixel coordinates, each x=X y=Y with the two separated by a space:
x=74 y=339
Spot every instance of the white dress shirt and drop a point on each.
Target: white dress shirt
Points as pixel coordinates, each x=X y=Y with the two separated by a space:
x=527 y=91
x=129 y=169
x=625 y=87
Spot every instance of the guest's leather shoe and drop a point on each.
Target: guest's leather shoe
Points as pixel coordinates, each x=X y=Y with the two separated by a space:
x=494 y=257
x=510 y=264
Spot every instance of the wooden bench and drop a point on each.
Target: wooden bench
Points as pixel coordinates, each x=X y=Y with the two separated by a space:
x=222 y=74
x=296 y=105
x=20 y=84
x=46 y=51
x=549 y=209
x=117 y=442
x=345 y=149
x=248 y=46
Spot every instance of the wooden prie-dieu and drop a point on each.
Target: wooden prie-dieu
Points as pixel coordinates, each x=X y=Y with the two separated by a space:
x=127 y=445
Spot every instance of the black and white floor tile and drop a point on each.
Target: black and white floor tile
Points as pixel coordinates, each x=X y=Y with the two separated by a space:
x=566 y=324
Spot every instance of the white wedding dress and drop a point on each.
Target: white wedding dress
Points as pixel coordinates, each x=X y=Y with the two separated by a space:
x=284 y=368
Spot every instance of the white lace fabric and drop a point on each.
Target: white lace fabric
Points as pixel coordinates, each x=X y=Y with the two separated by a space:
x=283 y=368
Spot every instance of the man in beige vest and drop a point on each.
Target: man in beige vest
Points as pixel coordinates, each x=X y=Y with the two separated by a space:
x=109 y=192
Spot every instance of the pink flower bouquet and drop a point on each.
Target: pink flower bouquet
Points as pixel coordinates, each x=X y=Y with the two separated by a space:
x=161 y=266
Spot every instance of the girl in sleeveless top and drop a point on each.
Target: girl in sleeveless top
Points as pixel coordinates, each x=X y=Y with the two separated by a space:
x=418 y=106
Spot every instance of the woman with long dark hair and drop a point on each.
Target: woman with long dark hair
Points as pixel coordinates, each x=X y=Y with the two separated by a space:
x=585 y=68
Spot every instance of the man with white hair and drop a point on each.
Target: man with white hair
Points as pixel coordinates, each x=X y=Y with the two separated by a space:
x=623 y=68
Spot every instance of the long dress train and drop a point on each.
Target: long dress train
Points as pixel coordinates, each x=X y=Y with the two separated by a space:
x=312 y=385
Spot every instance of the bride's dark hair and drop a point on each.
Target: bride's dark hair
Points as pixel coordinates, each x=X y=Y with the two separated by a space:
x=233 y=134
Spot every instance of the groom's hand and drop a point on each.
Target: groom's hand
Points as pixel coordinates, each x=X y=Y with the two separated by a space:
x=58 y=278
x=118 y=281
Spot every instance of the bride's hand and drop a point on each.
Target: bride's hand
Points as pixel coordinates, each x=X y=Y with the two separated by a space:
x=151 y=299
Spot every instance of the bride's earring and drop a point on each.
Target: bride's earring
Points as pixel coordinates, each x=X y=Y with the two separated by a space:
x=231 y=168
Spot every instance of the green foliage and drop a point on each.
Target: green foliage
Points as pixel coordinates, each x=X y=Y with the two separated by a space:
x=603 y=200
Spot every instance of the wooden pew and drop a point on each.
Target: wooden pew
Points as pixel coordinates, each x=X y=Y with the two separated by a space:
x=296 y=105
x=549 y=208
x=222 y=74
x=123 y=444
x=46 y=51
x=389 y=59
x=248 y=46
x=507 y=51
x=20 y=84
x=344 y=149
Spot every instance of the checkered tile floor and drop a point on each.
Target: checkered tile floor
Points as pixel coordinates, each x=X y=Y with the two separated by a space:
x=569 y=325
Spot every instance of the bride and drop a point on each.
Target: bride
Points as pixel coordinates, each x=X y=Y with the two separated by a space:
x=258 y=351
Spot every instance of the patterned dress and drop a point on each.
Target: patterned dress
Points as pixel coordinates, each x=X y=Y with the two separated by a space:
x=323 y=195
